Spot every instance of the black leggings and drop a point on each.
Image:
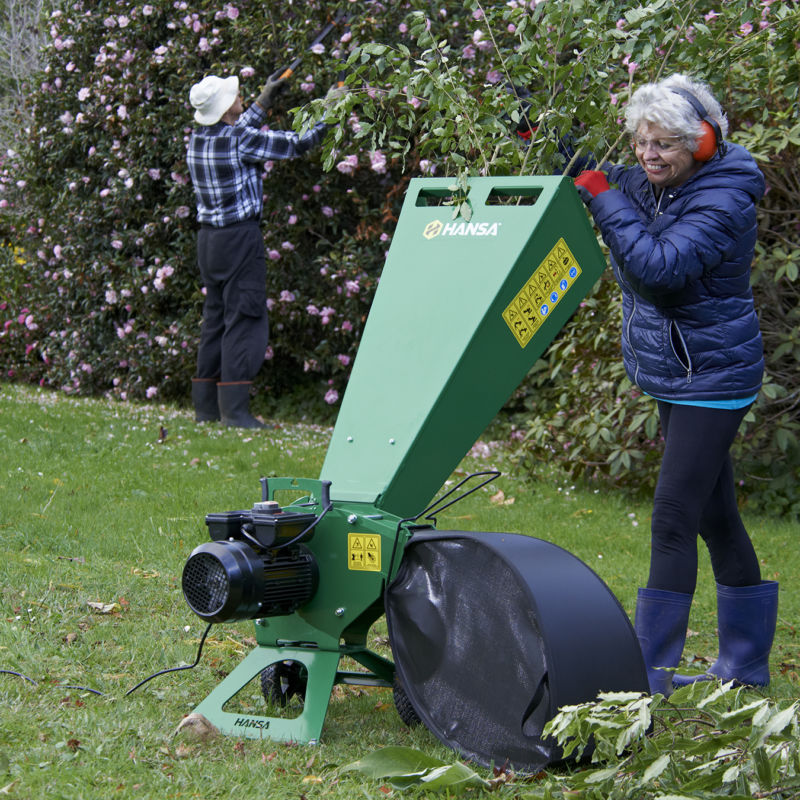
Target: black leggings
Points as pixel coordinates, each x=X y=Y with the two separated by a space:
x=696 y=494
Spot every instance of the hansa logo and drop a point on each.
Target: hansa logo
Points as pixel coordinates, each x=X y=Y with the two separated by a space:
x=439 y=228
x=433 y=229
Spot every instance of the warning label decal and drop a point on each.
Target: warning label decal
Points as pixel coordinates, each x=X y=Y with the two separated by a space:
x=364 y=551
x=541 y=293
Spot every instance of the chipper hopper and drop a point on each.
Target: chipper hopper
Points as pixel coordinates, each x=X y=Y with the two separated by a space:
x=490 y=632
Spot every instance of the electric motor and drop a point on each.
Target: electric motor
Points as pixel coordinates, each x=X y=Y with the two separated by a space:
x=229 y=580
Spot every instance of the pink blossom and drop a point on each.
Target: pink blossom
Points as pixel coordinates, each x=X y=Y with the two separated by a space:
x=331 y=396
x=746 y=28
x=312 y=310
x=247 y=72
x=347 y=325
x=347 y=165
x=287 y=297
x=343 y=360
x=151 y=392
x=273 y=255
x=318 y=49
x=327 y=211
x=377 y=161
x=232 y=12
x=493 y=76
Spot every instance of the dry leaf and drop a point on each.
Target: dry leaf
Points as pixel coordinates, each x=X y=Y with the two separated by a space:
x=198 y=727
x=104 y=608
x=500 y=499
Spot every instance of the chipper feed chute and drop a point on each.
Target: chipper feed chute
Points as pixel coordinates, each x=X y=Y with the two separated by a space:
x=490 y=632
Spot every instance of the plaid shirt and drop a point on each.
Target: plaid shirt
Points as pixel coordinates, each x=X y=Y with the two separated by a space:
x=226 y=163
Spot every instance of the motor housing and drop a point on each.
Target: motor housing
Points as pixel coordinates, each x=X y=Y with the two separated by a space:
x=230 y=580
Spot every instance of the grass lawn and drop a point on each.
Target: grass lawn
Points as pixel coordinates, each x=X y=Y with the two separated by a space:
x=101 y=503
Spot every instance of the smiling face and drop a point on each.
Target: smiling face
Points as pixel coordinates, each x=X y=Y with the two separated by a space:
x=664 y=157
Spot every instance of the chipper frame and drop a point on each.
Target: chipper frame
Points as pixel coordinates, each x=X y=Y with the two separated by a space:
x=462 y=312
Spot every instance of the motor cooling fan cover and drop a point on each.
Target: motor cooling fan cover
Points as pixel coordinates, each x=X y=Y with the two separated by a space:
x=491 y=633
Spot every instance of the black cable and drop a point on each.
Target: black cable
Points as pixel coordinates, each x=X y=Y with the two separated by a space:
x=175 y=669
x=18 y=675
x=130 y=691
x=55 y=685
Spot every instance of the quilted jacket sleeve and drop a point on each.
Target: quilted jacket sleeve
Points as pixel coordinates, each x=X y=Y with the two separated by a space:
x=695 y=233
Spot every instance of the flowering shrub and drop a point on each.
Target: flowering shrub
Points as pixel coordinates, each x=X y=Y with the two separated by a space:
x=106 y=297
x=97 y=193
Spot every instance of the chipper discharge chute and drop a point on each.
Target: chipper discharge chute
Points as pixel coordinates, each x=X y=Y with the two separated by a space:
x=490 y=632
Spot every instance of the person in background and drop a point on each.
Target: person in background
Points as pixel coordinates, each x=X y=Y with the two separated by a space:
x=226 y=155
x=681 y=229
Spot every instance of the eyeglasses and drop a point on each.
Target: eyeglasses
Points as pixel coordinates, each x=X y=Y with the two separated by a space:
x=666 y=144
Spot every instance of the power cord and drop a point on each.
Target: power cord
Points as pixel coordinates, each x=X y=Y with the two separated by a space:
x=130 y=691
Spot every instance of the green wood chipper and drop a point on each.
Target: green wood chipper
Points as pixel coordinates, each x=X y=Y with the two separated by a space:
x=490 y=632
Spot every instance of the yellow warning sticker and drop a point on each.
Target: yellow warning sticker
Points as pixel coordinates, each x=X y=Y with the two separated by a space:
x=364 y=551
x=536 y=300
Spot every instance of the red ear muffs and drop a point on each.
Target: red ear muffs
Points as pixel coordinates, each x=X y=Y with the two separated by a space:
x=706 y=144
x=710 y=140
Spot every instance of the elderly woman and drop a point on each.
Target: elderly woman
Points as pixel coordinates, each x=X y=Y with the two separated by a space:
x=681 y=229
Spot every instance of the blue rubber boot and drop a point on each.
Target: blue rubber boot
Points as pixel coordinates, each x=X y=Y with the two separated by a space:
x=746 y=619
x=661 y=621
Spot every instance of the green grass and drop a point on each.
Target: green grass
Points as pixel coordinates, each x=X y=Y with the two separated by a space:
x=103 y=502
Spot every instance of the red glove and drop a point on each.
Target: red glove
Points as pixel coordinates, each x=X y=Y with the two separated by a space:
x=590 y=183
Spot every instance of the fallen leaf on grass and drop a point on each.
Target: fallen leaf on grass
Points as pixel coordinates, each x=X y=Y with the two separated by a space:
x=198 y=727
x=312 y=779
x=104 y=608
x=500 y=499
x=145 y=573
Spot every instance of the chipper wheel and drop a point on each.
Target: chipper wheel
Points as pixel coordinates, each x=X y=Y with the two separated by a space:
x=403 y=704
x=282 y=681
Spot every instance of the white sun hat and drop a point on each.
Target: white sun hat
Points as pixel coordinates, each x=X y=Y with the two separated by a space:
x=212 y=97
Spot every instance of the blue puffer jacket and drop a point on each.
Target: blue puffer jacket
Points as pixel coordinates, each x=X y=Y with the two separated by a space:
x=690 y=330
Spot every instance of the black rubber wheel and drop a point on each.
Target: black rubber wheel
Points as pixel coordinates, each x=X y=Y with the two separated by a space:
x=403 y=704
x=284 y=680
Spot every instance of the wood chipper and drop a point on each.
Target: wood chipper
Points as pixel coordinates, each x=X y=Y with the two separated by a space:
x=490 y=632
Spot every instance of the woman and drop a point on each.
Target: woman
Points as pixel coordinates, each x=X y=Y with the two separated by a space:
x=681 y=229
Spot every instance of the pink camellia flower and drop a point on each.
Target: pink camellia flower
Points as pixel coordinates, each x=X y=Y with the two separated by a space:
x=247 y=72
x=287 y=297
x=312 y=310
x=327 y=211
x=377 y=161
x=331 y=396
x=343 y=360
x=347 y=325
x=746 y=29
x=347 y=165
x=318 y=49
x=151 y=392
x=273 y=255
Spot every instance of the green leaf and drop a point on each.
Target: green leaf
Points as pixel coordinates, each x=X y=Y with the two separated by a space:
x=405 y=766
x=655 y=769
x=776 y=724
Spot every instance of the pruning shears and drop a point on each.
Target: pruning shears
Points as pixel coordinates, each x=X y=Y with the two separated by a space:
x=340 y=19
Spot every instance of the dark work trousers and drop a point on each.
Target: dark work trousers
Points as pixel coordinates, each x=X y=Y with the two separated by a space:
x=235 y=329
x=695 y=494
